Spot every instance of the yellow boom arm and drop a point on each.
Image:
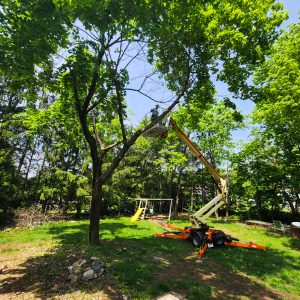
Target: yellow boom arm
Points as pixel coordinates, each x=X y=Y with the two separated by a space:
x=201 y=215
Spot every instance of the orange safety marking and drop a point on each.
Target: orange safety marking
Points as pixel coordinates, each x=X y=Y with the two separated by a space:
x=245 y=245
x=202 y=250
x=171 y=235
x=185 y=233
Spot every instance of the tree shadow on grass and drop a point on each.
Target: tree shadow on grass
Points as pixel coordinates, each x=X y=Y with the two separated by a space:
x=292 y=243
x=144 y=267
x=289 y=241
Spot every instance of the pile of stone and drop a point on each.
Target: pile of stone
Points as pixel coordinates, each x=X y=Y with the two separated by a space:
x=86 y=269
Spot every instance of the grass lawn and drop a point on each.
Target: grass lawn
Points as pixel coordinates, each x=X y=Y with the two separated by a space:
x=141 y=266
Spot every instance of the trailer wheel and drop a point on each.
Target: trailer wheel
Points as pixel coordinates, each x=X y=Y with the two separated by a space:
x=219 y=238
x=197 y=238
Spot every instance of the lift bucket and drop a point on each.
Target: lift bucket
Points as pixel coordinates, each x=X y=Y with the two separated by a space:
x=157 y=131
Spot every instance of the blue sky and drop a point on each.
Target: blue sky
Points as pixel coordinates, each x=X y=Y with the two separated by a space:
x=140 y=106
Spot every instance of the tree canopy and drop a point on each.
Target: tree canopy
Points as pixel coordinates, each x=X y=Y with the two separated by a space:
x=85 y=55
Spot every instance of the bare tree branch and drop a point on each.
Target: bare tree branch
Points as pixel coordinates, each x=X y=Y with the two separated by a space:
x=144 y=94
x=83 y=120
x=134 y=57
x=111 y=146
x=107 y=173
x=120 y=110
x=87 y=33
x=91 y=107
x=93 y=85
x=122 y=53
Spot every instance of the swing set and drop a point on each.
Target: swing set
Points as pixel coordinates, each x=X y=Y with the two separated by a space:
x=146 y=206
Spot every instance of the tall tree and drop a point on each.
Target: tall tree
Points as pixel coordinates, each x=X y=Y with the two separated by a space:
x=278 y=106
x=82 y=51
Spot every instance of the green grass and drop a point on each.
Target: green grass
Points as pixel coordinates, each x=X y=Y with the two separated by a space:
x=278 y=267
x=144 y=267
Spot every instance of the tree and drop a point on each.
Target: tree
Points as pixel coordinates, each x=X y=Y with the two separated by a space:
x=12 y=145
x=82 y=51
x=277 y=110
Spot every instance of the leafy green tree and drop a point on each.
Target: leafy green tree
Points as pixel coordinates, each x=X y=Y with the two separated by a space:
x=211 y=131
x=82 y=51
x=12 y=145
x=277 y=110
x=253 y=179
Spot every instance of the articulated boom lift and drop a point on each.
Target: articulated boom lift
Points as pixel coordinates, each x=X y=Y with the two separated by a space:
x=198 y=219
x=200 y=233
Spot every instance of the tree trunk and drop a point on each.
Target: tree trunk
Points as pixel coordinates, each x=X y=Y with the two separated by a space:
x=170 y=182
x=24 y=153
x=78 y=207
x=160 y=194
x=97 y=194
x=60 y=202
x=29 y=164
x=192 y=198
x=291 y=203
x=44 y=206
x=297 y=201
x=176 y=201
x=178 y=188
x=258 y=205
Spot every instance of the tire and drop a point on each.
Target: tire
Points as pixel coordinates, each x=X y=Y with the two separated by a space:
x=219 y=238
x=197 y=238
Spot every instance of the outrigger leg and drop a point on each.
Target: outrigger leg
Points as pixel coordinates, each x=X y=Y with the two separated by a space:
x=211 y=238
x=179 y=234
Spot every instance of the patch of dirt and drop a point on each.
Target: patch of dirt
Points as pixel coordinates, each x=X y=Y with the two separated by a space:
x=40 y=273
x=158 y=220
x=162 y=260
x=225 y=283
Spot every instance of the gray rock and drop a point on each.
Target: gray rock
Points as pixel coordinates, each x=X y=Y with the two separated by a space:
x=98 y=268
x=88 y=275
x=100 y=272
x=82 y=262
x=95 y=276
x=76 y=269
x=94 y=258
x=87 y=269
x=76 y=264
x=97 y=264
x=70 y=269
